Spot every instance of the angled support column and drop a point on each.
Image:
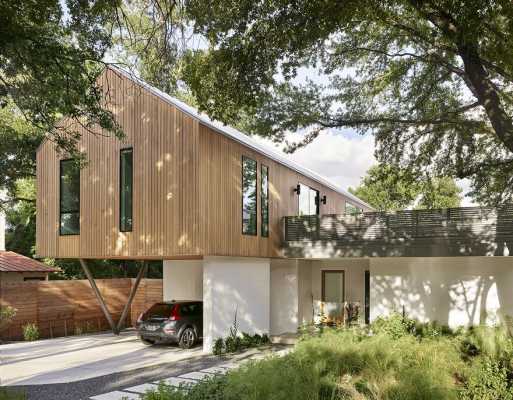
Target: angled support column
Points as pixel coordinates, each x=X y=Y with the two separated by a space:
x=99 y=296
x=133 y=291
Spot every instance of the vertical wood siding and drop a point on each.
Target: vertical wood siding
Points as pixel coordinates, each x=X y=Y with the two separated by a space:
x=186 y=188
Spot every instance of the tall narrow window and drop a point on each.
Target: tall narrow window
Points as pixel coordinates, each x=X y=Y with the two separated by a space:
x=264 y=203
x=249 y=196
x=125 y=190
x=69 y=202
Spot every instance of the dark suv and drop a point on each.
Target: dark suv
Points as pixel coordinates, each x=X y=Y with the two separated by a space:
x=172 y=322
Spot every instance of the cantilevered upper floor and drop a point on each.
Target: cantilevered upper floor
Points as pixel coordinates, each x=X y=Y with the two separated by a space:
x=178 y=186
x=464 y=231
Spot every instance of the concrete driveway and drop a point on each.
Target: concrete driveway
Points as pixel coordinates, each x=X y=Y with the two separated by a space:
x=81 y=357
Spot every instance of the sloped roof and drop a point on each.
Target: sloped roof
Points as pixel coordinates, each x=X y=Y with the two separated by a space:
x=14 y=262
x=238 y=136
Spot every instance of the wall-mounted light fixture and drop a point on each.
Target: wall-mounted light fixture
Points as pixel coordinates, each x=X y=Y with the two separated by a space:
x=323 y=199
x=297 y=189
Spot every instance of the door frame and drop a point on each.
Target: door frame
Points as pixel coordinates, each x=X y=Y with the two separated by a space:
x=328 y=271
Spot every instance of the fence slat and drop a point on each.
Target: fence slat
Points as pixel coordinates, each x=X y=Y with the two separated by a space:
x=69 y=307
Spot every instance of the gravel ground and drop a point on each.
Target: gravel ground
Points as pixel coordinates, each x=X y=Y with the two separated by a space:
x=82 y=390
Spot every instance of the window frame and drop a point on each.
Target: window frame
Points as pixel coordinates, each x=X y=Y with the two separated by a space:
x=331 y=271
x=264 y=233
x=122 y=227
x=303 y=187
x=61 y=233
x=255 y=232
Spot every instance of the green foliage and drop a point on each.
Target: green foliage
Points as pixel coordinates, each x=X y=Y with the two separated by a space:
x=396 y=359
x=395 y=326
x=30 y=332
x=12 y=394
x=219 y=347
x=431 y=80
x=7 y=314
x=487 y=380
x=51 y=62
x=387 y=188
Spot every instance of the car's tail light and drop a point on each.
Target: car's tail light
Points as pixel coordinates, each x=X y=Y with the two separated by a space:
x=170 y=327
x=175 y=316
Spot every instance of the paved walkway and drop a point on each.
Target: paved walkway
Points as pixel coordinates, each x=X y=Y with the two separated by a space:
x=76 y=358
x=191 y=378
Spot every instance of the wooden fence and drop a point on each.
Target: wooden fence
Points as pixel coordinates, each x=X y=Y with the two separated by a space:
x=61 y=308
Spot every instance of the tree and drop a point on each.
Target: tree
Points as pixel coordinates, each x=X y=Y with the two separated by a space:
x=51 y=53
x=387 y=188
x=432 y=80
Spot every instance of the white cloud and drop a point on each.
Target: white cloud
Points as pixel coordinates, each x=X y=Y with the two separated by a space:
x=341 y=158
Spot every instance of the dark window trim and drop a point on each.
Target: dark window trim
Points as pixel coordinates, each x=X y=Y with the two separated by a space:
x=367 y=297
x=124 y=150
x=262 y=233
x=317 y=198
x=242 y=196
x=330 y=271
x=60 y=199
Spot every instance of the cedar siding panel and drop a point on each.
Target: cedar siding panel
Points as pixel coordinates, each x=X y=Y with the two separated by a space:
x=186 y=188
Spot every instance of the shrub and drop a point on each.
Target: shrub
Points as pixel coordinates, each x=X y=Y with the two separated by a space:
x=218 y=348
x=395 y=326
x=30 y=332
x=7 y=314
x=487 y=380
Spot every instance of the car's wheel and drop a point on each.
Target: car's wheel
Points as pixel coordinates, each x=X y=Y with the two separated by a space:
x=147 y=342
x=188 y=338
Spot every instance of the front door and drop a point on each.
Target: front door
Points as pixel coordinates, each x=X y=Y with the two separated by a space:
x=333 y=286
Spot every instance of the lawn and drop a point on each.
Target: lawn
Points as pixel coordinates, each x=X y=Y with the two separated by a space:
x=394 y=359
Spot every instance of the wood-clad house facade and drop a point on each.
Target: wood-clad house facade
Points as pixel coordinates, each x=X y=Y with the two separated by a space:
x=187 y=185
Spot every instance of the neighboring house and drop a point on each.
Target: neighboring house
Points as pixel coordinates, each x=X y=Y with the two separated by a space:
x=241 y=227
x=17 y=268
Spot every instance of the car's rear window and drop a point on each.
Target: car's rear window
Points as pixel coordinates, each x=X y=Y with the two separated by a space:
x=192 y=309
x=160 y=310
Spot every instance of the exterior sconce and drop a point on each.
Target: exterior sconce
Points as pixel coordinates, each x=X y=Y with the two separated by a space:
x=323 y=199
x=297 y=189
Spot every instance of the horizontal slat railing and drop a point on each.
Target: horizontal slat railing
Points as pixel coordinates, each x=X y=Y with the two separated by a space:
x=469 y=230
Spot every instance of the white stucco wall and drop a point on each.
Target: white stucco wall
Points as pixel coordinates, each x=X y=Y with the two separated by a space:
x=182 y=280
x=2 y=230
x=454 y=291
x=284 y=296
x=235 y=284
x=305 y=292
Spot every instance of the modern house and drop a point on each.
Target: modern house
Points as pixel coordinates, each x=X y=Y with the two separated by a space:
x=251 y=233
x=17 y=268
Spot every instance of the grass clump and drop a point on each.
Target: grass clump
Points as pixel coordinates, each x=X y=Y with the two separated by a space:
x=30 y=332
x=393 y=359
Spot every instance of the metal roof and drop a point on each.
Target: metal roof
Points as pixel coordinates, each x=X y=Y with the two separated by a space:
x=238 y=136
x=14 y=262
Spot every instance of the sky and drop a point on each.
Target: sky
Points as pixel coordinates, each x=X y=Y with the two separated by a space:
x=343 y=158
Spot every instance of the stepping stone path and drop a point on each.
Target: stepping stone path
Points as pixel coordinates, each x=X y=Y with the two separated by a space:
x=191 y=378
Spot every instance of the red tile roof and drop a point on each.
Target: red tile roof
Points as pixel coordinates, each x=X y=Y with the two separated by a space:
x=14 y=262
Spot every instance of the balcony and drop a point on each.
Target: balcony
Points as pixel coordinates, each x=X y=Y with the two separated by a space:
x=464 y=231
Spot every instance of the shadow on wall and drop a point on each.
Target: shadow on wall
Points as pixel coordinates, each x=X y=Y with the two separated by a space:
x=452 y=291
